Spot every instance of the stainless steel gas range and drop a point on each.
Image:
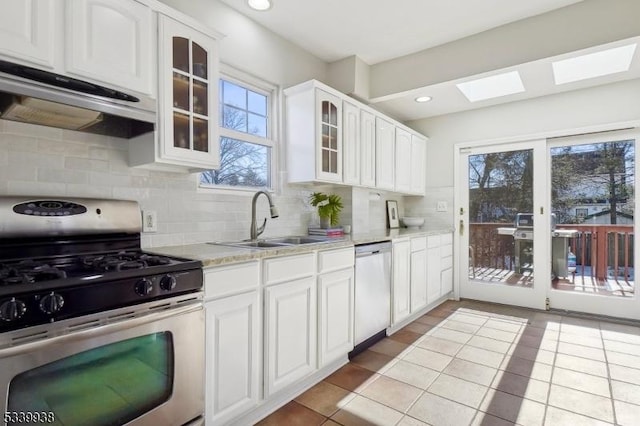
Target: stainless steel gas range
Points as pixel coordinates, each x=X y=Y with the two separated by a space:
x=94 y=330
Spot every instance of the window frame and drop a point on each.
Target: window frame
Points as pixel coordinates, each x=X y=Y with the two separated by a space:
x=270 y=90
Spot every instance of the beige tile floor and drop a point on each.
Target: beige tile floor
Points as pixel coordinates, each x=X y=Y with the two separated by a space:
x=473 y=363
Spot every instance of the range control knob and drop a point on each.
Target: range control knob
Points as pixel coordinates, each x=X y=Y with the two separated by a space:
x=143 y=287
x=168 y=282
x=51 y=303
x=11 y=310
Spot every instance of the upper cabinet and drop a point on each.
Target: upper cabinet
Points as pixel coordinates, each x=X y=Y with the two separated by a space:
x=188 y=95
x=27 y=31
x=332 y=138
x=107 y=42
x=111 y=41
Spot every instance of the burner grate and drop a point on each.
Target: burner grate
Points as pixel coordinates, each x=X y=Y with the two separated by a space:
x=29 y=272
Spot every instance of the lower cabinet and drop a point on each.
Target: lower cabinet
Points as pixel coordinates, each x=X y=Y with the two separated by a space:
x=401 y=281
x=233 y=356
x=290 y=333
x=434 y=285
x=418 y=273
x=446 y=263
x=335 y=305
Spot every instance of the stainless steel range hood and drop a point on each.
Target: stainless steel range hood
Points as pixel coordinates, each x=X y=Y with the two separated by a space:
x=40 y=97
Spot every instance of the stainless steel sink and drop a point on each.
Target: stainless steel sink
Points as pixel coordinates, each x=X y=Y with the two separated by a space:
x=277 y=242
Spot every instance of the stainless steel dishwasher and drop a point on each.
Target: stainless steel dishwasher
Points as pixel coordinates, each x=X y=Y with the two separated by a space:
x=372 y=293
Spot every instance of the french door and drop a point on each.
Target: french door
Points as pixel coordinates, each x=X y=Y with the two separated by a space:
x=550 y=223
x=499 y=186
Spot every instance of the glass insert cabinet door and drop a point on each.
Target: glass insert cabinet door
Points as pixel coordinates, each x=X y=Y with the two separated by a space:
x=329 y=121
x=190 y=93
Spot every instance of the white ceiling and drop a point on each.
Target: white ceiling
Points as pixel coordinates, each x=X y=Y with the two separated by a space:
x=382 y=33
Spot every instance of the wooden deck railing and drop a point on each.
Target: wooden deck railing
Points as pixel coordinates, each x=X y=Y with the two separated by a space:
x=607 y=250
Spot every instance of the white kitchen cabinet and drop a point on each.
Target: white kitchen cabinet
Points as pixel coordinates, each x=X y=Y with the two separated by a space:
x=188 y=93
x=403 y=161
x=351 y=143
x=28 y=31
x=112 y=42
x=335 y=316
x=401 y=282
x=314 y=134
x=434 y=280
x=233 y=356
x=446 y=263
x=290 y=333
x=385 y=154
x=418 y=165
x=418 y=277
x=367 y=149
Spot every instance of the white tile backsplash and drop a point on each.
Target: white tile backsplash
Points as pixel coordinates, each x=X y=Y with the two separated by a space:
x=426 y=207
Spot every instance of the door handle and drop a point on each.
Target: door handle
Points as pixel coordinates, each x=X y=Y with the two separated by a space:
x=461 y=227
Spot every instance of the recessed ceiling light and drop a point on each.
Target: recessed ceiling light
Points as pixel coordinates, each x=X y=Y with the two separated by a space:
x=260 y=5
x=597 y=64
x=422 y=99
x=492 y=87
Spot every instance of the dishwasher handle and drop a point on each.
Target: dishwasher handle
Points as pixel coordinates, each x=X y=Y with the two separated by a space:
x=373 y=249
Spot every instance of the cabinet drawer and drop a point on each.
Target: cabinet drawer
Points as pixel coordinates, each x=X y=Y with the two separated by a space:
x=228 y=279
x=433 y=241
x=446 y=239
x=278 y=269
x=332 y=260
x=446 y=263
x=419 y=243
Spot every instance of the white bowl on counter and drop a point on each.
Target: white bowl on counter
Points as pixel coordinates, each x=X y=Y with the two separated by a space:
x=413 y=222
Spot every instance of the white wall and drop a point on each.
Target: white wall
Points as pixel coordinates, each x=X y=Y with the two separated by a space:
x=557 y=114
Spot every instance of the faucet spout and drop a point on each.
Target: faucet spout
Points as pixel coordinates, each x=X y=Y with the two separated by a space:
x=273 y=210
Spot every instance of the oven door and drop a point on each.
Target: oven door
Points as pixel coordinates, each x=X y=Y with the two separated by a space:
x=145 y=370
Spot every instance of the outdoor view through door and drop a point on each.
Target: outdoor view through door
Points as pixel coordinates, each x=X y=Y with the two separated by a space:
x=501 y=217
x=593 y=197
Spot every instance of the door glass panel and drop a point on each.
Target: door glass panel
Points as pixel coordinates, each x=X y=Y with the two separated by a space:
x=199 y=61
x=325 y=136
x=334 y=115
x=325 y=112
x=201 y=135
x=501 y=191
x=180 y=91
x=334 y=138
x=334 y=161
x=181 y=130
x=325 y=160
x=181 y=54
x=592 y=196
x=200 y=97
x=109 y=385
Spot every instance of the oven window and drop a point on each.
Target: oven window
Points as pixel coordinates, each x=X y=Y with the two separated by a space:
x=108 y=385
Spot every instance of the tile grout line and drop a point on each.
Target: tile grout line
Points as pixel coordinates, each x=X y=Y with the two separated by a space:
x=606 y=361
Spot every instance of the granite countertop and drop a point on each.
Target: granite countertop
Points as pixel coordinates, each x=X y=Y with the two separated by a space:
x=219 y=254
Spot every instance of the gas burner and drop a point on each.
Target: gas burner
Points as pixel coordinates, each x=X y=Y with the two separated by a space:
x=28 y=272
x=123 y=261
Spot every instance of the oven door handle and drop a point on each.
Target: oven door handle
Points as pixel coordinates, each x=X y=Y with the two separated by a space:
x=99 y=330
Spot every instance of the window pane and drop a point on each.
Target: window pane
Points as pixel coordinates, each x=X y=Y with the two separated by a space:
x=199 y=61
x=241 y=164
x=235 y=95
x=257 y=103
x=258 y=125
x=109 y=385
x=181 y=54
x=200 y=97
x=233 y=118
x=200 y=135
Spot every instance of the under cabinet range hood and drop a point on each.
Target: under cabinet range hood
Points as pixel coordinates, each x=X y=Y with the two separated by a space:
x=40 y=97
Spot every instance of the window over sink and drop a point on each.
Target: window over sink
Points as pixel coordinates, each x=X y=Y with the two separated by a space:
x=247 y=148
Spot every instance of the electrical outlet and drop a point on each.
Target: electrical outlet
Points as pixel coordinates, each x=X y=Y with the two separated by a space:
x=441 y=206
x=149 y=221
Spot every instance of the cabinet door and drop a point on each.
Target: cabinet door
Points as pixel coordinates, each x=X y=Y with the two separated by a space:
x=385 y=154
x=111 y=41
x=447 y=281
x=367 y=149
x=290 y=333
x=433 y=268
x=351 y=143
x=27 y=31
x=418 y=165
x=401 y=281
x=335 y=290
x=188 y=73
x=233 y=356
x=403 y=160
x=418 y=280
x=329 y=137
x=446 y=263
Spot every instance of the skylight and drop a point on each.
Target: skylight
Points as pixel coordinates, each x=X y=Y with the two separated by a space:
x=597 y=64
x=492 y=87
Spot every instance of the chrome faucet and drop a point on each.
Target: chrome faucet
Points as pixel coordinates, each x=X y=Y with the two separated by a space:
x=255 y=231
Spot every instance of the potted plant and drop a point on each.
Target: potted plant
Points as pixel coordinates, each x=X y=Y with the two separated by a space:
x=329 y=208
